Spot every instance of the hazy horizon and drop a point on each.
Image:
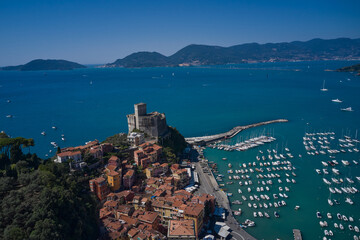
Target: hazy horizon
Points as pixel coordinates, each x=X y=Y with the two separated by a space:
x=100 y=32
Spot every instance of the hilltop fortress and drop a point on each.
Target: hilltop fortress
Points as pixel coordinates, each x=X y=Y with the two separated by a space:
x=153 y=124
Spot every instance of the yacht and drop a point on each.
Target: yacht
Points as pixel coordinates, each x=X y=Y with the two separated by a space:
x=341 y=226
x=318 y=171
x=330 y=202
x=348 y=109
x=336 y=100
x=276 y=214
x=329 y=215
x=349 y=180
x=318 y=214
x=326 y=181
x=346 y=163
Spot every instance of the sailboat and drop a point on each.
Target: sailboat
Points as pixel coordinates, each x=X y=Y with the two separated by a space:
x=323 y=88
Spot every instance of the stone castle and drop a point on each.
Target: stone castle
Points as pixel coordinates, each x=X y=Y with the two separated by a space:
x=153 y=124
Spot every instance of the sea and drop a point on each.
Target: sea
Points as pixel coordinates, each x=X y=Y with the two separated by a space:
x=92 y=103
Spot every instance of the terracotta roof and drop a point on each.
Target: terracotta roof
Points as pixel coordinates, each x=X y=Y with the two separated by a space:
x=116 y=226
x=148 y=217
x=194 y=209
x=68 y=154
x=129 y=220
x=111 y=167
x=104 y=212
x=175 y=166
x=110 y=203
x=113 y=173
x=133 y=232
x=181 y=228
x=114 y=158
x=98 y=180
x=129 y=173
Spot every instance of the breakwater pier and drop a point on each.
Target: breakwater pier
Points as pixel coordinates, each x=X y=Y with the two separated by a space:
x=229 y=134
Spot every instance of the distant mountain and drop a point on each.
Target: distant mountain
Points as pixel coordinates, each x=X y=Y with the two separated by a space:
x=316 y=49
x=353 y=68
x=41 y=65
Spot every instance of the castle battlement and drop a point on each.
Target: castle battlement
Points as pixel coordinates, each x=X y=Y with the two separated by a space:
x=153 y=124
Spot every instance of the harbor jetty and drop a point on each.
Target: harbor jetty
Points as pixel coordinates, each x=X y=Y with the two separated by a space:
x=297 y=234
x=229 y=134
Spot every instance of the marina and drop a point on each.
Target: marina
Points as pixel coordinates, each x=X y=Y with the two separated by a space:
x=267 y=183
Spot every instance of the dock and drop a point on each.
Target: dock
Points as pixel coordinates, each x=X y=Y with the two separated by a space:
x=229 y=134
x=297 y=234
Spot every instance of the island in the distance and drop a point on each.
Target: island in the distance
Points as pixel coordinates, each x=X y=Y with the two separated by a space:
x=42 y=65
x=353 y=68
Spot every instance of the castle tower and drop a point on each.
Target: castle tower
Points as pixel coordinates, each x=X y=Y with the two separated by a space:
x=153 y=124
x=140 y=110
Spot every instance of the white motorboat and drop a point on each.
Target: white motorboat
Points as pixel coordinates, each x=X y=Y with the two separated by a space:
x=348 y=109
x=336 y=100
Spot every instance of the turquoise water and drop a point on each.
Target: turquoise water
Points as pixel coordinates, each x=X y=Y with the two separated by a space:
x=200 y=101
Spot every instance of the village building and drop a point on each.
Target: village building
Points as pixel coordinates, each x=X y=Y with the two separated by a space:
x=135 y=138
x=99 y=187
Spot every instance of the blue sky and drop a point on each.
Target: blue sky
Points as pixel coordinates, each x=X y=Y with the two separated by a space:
x=102 y=31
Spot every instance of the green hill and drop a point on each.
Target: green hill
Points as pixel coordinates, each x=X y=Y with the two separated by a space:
x=42 y=65
x=316 y=49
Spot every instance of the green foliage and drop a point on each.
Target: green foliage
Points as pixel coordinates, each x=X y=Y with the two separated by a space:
x=175 y=141
x=170 y=155
x=44 y=201
x=118 y=140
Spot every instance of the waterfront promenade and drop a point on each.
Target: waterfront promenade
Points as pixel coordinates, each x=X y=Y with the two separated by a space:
x=229 y=134
x=209 y=185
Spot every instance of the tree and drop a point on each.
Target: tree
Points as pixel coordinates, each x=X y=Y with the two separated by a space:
x=14 y=233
